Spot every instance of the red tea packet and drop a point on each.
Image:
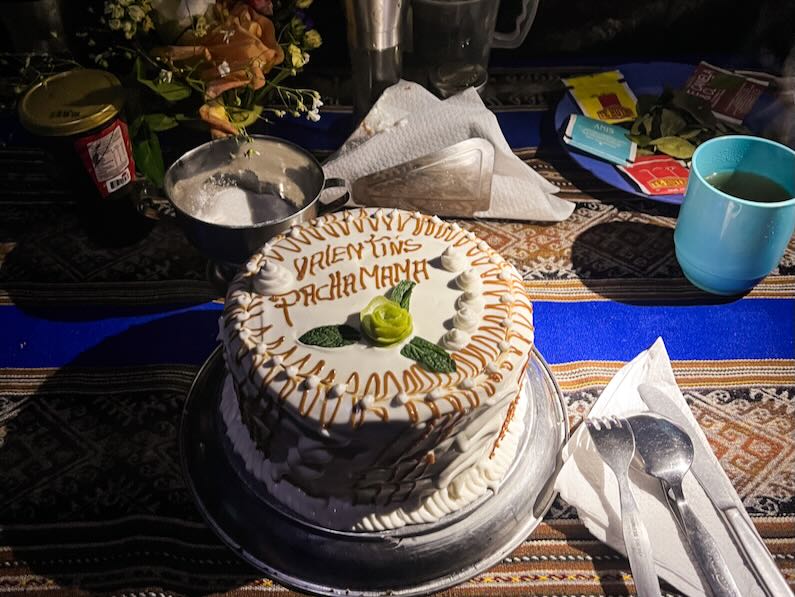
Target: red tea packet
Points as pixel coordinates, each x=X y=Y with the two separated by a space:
x=731 y=96
x=658 y=175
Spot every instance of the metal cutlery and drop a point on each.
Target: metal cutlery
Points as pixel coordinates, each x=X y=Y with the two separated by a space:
x=721 y=493
x=615 y=443
x=665 y=451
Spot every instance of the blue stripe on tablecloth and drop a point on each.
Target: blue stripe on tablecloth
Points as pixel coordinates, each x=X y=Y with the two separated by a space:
x=521 y=129
x=118 y=336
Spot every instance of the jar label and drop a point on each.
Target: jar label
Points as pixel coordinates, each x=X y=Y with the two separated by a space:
x=107 y=156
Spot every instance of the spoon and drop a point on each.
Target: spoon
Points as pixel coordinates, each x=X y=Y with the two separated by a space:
x=665 y=451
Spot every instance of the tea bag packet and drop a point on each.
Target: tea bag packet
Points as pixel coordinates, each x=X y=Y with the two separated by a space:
x=598 y=138
x=658 y=175
x=731 y=96
x=604 y=96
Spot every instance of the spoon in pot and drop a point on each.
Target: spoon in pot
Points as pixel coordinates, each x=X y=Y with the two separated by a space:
x=665 y=451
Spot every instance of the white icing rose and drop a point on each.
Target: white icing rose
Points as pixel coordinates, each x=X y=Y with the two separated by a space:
x=455 y=339
x=469 y=280
x=273 y=279
x=466 y=319
x=505 y=274
x=506 y=298
x=453 y=260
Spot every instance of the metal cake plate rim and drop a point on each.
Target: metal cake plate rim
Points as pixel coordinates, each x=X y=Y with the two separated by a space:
x=193 y=448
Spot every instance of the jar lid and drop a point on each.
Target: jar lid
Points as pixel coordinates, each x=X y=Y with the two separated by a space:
x=72 y=102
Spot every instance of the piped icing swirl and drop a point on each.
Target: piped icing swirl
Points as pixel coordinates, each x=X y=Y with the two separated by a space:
x=466 y=319
x=273 y=279
x=455 y=339
x=453 y=260
x=469 y=281
x=473 y=301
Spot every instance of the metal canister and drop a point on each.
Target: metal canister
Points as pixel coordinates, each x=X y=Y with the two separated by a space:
x=78 y=116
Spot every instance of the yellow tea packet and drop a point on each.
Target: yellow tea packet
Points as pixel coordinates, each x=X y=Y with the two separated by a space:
x=604 y=96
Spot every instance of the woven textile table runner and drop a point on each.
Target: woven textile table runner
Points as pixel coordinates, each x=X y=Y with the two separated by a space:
x=98 y=349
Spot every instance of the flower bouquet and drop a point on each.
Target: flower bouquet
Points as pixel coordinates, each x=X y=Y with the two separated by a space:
x=222 y=65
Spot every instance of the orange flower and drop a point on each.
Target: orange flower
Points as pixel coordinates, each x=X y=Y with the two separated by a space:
x=238 y=51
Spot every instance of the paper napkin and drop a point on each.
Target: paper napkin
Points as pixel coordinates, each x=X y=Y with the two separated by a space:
x=408 y=122
x=590 y=486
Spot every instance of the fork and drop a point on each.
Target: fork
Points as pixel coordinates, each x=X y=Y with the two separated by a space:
x=615 y=443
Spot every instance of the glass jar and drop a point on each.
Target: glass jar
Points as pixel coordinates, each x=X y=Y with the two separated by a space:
x=78 y=116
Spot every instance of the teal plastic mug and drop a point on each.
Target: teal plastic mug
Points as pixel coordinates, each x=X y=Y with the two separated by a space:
x=725 y=244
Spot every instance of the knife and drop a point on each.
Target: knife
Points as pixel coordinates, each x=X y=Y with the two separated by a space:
x=721 y=493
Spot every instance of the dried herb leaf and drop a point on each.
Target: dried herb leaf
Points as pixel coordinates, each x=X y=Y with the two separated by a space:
x=429 y=355
x=690 y=133
x=641 y=140
x=642 y=151
x=671 y=124
x=330 y=336
x=674 y=147
x=401 y=293
x=646 y=123
x=697 y=108
x=645 y=103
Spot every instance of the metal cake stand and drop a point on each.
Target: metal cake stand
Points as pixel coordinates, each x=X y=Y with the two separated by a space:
x=413 y=560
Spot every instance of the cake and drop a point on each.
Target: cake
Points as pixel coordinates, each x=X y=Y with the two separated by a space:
x=375 y=362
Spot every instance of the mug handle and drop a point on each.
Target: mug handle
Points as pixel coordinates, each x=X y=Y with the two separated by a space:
x=335 y=204
x=522 y=26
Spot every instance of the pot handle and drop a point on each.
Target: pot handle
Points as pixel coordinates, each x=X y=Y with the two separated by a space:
x=339 y=202
x=150 y=202
x=522 y=26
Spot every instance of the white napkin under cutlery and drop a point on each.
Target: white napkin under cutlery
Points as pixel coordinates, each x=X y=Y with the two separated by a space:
x=586 y=483
x=408 y=122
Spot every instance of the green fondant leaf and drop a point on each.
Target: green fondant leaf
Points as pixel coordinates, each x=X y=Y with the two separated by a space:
x=429 y=355
x=401 y=293
x=330 y=336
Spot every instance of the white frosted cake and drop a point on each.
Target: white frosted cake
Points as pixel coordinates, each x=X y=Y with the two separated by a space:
x=375 y=364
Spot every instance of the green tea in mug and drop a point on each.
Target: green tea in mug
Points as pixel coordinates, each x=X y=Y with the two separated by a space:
x=748 y=186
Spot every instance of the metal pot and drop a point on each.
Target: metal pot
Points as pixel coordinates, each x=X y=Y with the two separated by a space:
x=279 y=182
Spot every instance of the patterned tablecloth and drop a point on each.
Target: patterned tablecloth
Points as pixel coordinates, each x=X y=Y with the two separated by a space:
x=99 y=347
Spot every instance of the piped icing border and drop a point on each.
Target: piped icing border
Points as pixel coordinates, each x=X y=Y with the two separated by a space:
x=495 y=346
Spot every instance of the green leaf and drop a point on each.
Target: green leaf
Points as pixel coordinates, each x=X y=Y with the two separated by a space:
x=330 y=336
x=699 y=109
x=148 y=156
x=161 y=122
x=690 y=133
x=645 y=103
x=674 y=147
x=671 y=123
x=641 y=140
x=429 y=355
x=173 y=91
x=646 y=123
x=401 y=293
x=642 y=151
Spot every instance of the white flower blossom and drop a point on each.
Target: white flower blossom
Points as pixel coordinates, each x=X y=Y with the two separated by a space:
x=165 y=76
x=223 y=69
x=313 y=115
